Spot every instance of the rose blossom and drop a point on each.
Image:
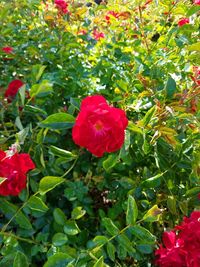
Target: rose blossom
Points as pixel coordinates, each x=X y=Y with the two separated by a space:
x=7 y=49
x=181 y=249
x=14 y=168
x=99 y=127
x=12 y=89
x=172 y=254
x=182 y=22
x=197 y=2
x=62 y=6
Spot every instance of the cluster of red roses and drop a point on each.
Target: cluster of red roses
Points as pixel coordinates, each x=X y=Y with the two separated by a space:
x=99 y=128
x=13 y=170
x=181 y=245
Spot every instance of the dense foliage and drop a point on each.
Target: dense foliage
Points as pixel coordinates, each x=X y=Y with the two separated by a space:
x=83 y=204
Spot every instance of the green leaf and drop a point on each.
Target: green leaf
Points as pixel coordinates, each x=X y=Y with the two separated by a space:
x=21 y=136
x=62 y=153
x=134 y=128
x=126 y=243
x=192 y=11
x=111 y=251
x=171 y=204
x=170 y=87
x=59 y=216
x=22 y=93
x=110 y=162
x=110 y=226
x=99 y=263
x=153 y=214
x=9 y=210
x=42 y=89
x=71 y=228
x=77 y=213
x=35 y=203
x=194 y=47
x=149 y=115
x=143 y=234
x=193 y=191
x=144 y=248
x=59 y=239
x=37 y=71
x=20 y=260
x=100 y=240
x=58 y=260
x=48 y=183
x=33 y=109
x=2 y=179
x=152 y=182
x=132 y=211
x=58 y=121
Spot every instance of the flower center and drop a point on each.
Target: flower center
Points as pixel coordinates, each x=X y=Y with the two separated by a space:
x=98 y=125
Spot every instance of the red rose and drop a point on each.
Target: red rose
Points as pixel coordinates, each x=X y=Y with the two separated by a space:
x=7 y=49
x=172 y=255
x=197 y=2
x=182 y=22
x=99 y=127
x=181 y=249
x=62 y=6
x=12 y=89
x=14 y=168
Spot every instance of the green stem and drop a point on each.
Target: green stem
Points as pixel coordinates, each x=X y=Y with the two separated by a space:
x=68 y=171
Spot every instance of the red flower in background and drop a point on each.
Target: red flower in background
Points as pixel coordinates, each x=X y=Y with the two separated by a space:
x=197 y=2
x=196 y=77
x=182 y=22
x=7 y=49
x=14 y=169
x=62 y=6
x=99 y=127
x=12 y=89
x=182 y=249
x=82 y=32
x=111 y=13
x=98 y=35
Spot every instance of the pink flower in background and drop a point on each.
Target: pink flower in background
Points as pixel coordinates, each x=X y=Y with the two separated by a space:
x=182 y=22
x=62 y=6
x=197 y=2
x=98 y=35
x=7 y=49
x=12 y=89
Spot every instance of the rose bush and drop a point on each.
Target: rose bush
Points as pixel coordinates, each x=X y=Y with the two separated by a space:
x=107 y=121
